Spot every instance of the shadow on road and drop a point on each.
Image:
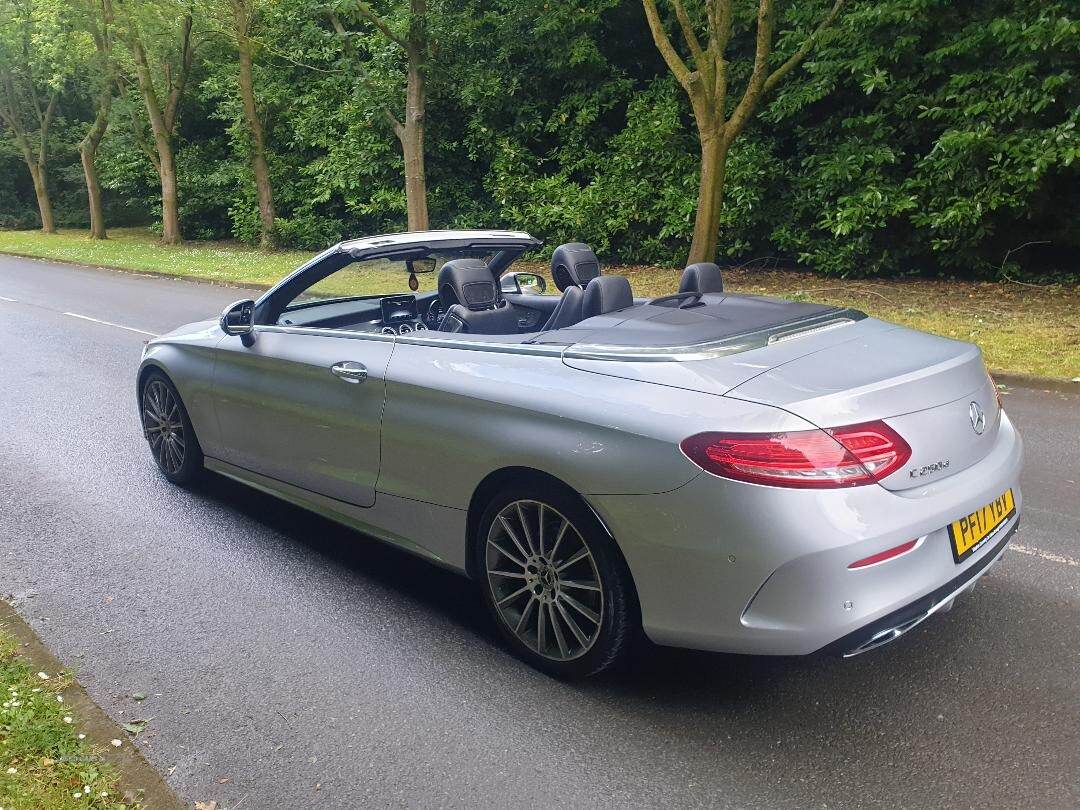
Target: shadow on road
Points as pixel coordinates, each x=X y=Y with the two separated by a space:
x=674 y=673
x=973 y=638
x=964 y=682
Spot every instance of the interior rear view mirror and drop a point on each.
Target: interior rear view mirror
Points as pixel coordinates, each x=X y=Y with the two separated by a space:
x=421 y=265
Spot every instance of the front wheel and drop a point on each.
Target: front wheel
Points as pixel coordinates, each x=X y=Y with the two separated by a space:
x=556 y=584
x=168 y=430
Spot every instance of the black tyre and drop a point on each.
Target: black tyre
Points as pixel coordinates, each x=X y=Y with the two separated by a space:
x=168 y=430
x=555 y=583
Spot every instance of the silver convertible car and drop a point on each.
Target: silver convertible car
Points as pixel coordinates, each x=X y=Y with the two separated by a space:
x=717 y=471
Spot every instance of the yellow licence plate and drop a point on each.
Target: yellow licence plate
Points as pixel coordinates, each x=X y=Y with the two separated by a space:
x=971 y=531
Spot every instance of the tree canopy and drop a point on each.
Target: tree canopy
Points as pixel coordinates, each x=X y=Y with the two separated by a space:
x=911 y=136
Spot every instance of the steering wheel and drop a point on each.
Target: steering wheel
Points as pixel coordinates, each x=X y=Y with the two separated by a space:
x=434 y=315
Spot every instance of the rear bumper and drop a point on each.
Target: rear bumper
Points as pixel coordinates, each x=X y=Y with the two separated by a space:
x=734 y=567
x=894 y=625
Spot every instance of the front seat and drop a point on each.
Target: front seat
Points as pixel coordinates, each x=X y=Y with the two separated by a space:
x=573 y=265
x=473 y=301
x=703 y=277
x=606 y=294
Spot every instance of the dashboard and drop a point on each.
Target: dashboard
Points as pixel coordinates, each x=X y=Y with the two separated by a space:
x=401 y=315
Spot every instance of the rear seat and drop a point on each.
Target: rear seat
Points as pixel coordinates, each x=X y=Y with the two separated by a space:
x=703 y=277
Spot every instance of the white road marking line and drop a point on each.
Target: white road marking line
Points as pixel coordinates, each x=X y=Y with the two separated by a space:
x=1045 y=555
x=110 y=323
x=5 y=298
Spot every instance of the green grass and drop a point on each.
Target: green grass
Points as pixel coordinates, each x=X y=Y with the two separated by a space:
x=138 y=249
x=1020 y=327
x=43 y=763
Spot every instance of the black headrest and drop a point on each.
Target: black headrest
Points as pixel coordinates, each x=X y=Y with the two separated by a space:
x=573 y=264
x=703 y=277
x=606 y=294
x=468 y=282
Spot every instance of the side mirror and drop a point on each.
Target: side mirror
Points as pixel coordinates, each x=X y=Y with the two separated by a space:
x=523 y=284
x=239 y=319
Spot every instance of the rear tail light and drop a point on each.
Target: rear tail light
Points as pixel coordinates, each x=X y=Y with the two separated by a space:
x=850 y=456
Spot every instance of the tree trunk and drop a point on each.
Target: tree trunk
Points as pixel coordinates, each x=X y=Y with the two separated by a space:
x=170 y=207
x=412 y=148
x=41 y=190
x=88 y=153
x=714 y=149
x=258 y=147
x=163 y=123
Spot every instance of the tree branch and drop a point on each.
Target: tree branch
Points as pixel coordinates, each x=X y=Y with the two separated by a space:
x=777 y=75
x=663 y=44
x=766 y=25
x=9 y=110
x=387 y=114
x=720 y=20
x=187 y=59
x=136 y=128
x=368 y=14
x=46 y=121
x=720 y=30
x=11 y=117
x=688 y=33
x=145 y=80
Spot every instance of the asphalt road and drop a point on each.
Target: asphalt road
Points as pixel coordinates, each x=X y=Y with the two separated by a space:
x=293 y=663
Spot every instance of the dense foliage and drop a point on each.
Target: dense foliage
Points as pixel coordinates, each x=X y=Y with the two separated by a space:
x=920 y=136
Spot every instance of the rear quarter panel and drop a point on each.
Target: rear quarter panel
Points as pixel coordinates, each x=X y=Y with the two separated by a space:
x=454 y=415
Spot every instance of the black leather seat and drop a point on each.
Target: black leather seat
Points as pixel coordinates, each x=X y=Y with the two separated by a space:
x=568 y=311
x=473 y=301
x=573 y=266
x=606 y=294
x=703 y=277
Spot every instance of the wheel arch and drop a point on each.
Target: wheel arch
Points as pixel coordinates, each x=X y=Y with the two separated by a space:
x=148 y=368
x=498 y=480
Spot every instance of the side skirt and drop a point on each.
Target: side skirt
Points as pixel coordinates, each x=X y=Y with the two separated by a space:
x=392 y=519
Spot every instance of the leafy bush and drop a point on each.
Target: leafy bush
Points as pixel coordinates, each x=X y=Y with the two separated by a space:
x=921 y=136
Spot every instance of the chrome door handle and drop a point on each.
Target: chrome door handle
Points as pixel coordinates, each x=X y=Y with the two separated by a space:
x=349 y=372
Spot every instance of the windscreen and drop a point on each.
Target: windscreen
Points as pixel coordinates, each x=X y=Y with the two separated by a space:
x=377 y=277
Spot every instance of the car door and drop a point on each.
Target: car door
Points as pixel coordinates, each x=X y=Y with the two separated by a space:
x=303 y=406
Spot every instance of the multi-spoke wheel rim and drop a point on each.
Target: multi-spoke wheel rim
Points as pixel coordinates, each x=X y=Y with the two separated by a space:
x=544 y=581
x=163 y=426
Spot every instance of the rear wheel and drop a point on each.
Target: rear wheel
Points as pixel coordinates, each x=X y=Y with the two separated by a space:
x=556 y=584
x=168 y=430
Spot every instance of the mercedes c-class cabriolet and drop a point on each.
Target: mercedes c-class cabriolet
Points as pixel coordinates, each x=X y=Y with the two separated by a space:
x=718 y=471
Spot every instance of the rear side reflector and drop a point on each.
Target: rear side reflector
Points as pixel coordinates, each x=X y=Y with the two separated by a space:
x=806 y=459
x=882 y=556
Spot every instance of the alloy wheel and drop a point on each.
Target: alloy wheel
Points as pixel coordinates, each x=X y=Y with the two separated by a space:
x=163 y=426
x=544 y=580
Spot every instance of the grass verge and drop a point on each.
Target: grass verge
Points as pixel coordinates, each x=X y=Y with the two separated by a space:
x=58 y=749
x=44 y=761
x=1021 y=328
